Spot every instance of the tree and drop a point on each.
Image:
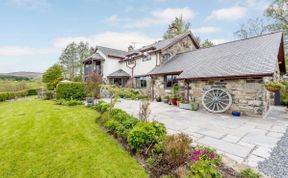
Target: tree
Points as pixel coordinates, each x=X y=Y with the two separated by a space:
x=253 y=27
x=177 y=27
x=52 y=76
x=278 y=11
x=206 y=44
x=84 y=52
x=72 y=60
x=93 y=84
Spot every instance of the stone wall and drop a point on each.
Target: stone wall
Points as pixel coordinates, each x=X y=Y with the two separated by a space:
x=249 y=96
x=184 y=45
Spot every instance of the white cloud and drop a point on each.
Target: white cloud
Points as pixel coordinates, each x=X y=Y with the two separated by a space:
x=29 y=3
x=24 y=51
x=257 y=4
x=233 y=13
x=207 y=29
x=115 y=19
x=169 y=13
x=118 y=40
x=163 y=16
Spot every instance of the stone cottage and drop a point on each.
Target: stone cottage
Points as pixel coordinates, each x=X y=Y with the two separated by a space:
x=240 y=68
x=234 y=71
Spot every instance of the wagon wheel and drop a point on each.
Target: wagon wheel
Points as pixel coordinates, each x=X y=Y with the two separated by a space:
x=216 y=100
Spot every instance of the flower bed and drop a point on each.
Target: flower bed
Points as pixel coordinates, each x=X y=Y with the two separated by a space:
x=160 y=154
x=126 y=93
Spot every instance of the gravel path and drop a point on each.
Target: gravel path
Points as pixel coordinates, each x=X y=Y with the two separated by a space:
x=277 y=164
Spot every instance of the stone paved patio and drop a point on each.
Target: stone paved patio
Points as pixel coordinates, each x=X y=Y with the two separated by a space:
x=245 y=140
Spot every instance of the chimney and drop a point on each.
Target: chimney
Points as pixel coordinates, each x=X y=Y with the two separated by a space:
x=130 y=48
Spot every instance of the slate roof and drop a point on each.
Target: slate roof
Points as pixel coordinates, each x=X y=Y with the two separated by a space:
x=162 y=44
x=118 y=73
x=253 y=56
x=112 y=52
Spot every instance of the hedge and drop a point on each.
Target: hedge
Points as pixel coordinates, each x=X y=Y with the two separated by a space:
x=12 y=95
x=70 y=90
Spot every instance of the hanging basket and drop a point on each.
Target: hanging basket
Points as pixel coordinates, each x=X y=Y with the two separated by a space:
x=273 y=88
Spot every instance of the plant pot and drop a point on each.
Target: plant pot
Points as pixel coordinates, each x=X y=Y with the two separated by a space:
x=174 y=101
x=185 y=106
x=90 y=101
x=236 y=114
x=178 y=103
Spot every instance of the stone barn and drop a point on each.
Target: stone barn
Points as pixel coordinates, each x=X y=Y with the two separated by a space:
x=236 y=70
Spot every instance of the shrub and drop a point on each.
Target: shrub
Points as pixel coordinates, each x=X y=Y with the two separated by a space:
x=177 y=149
x=48 y=95
x=204 y=169
x=145 y=133
x=284 y=94
x=68 y=102
x=32 y=92
x=112 y=125
x=144 y=111
x=101 y=106
x=249 y=173
x=205 y=162
x=93 y=84
x=12 y=95
x=70 y=90
x=103 y=119
x=126 y=122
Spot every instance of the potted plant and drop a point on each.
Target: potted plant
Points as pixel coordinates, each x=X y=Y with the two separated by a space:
x=274 y=86
x=166 y=99
x=194 y=105
x=158 y=99
x=175 y=94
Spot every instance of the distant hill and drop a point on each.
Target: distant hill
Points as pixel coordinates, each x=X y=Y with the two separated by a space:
x=31 y=75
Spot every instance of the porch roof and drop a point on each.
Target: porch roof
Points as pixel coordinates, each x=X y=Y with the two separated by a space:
x=94 y=57
x=118 y=74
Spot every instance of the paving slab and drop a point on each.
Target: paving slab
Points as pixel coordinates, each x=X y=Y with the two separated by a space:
x=260 y=140
x=226 y=147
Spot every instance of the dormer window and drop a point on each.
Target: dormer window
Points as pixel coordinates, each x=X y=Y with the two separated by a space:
x=146 y=57
x=165 y=57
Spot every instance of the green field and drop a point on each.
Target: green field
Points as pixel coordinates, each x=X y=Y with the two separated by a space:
x=41 y=139
x=10 y=86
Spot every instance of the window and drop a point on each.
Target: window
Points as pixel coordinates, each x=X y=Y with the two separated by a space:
x=141 y=82
x=165 y=57
x=170 y=80
x=146 y=57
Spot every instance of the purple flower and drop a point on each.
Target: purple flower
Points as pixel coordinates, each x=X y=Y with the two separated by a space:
x=197 y=152
x=204 y=152
x=195 y=158
x=212 y=155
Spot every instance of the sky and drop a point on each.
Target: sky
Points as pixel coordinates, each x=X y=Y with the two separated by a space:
x=33 y=33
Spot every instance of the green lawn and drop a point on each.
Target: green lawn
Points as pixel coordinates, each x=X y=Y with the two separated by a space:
x=41 y=139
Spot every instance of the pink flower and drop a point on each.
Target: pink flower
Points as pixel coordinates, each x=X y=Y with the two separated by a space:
x=195 y=158
x=204 y=152
x=212 y=155
x=197 y=152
